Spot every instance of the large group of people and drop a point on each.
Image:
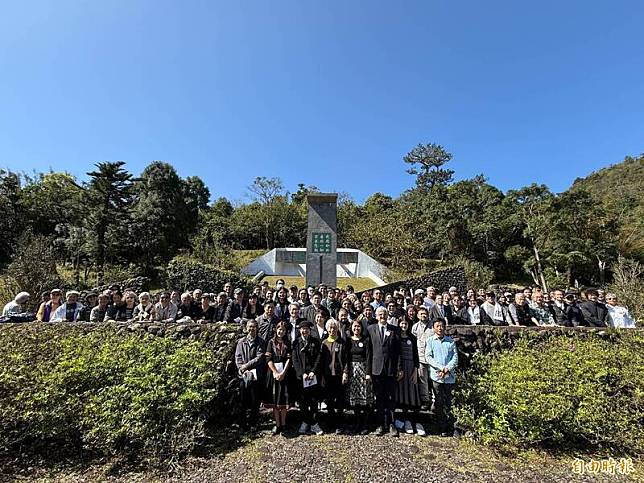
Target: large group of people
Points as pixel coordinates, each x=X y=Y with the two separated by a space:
x=369 y=359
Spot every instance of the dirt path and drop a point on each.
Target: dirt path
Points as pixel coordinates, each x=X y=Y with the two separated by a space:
x=351 y=458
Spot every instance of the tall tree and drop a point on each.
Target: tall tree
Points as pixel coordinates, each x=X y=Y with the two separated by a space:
x=269 y=193
x=109 y=194
x=427 y=162
x=11 y=221
x=530 y=208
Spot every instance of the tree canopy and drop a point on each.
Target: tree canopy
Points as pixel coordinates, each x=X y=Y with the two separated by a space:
x=528 y=233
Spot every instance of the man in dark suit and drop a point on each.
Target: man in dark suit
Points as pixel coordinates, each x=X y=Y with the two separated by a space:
x=384 y=367
x=222 y=309
x=440 y=311
x=308 y=312
x=595 y=313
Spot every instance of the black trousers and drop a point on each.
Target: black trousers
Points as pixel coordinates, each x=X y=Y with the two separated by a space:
x=384 y=388
x=309 y=404
x=334 y=399
x=443 y=406
x=250 y=400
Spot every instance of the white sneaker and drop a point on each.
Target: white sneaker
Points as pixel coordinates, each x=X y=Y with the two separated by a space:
x=399 y=425
x=304 y=428
x=409 y=429
x=322 y=405
x=420 y=431
x=317 y=429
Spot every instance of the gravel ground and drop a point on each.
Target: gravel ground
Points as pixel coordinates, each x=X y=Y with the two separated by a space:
x=343 y=458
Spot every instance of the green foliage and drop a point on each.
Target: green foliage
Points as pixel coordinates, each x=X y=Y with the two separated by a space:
x=33 y=268
x=108 y=197
x=628 y=285
x=427 y=162
x=618 y=191
x=104 y=392
x=165 y=214
x=563 y=392
x=11 y=219
x=476 y=274
x=184 y=273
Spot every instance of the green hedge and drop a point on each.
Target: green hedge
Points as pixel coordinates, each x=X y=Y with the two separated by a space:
x=562 y=392
x=187 y=274
x=103 y=392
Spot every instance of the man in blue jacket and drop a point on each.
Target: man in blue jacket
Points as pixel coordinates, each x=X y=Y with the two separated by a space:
x=442 y=357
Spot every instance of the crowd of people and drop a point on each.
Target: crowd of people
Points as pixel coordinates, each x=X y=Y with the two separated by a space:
x=382 y=356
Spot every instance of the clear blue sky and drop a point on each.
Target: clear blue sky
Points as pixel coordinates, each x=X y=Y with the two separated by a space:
x=329 y=93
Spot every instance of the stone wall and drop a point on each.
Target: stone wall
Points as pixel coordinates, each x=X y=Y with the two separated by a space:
x=442 y=280
x=472 y=339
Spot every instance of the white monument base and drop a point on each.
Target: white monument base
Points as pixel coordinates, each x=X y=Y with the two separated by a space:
x=291 y=262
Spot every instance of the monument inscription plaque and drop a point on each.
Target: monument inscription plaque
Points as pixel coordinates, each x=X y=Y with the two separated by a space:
x=321 y=239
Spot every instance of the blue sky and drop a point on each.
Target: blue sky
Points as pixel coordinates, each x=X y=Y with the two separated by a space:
x=328 y=93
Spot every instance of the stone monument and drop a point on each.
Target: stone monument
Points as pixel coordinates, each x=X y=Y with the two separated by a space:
x=321 y=239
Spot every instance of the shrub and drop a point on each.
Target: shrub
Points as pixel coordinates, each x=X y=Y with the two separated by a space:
x=477 y=275
x=628 y=285
x=187 y=274
x=103 y=392
x=565 y=392
x=33 y=268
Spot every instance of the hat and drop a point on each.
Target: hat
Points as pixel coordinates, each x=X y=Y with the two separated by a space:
x=306 y=323
x=238 y=290
x=453 y=289
x=56 y=290
x=91 y=294
x=490 y=294
x=419 y=291
x=22 y=297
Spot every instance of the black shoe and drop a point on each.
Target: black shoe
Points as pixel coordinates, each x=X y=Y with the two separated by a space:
x=380 y=431
x=445 y=435
x=364 y=432
x=339 y=431
x=393 y=431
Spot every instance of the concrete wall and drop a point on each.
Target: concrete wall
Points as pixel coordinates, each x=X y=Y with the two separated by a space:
x=365 y=266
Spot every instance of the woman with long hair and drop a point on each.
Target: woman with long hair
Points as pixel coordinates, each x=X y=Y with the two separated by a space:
x=278 y=358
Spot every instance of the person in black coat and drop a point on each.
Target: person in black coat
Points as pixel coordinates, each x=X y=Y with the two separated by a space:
x=574 y=312
x=560 y=310
x=335 y=369
x=384 y=368
x=222 y=309
x=187 y=308
x=307 y=363
x=237 y=306
x=471 y=314
x=206 y=311
x=595 y=313
x=319 y=328
x=440 y=311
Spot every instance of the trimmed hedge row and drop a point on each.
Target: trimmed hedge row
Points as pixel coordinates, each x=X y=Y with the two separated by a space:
x=564 y=392
x=102 y=391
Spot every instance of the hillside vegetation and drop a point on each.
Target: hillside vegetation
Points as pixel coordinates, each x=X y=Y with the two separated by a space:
x=620 y=191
